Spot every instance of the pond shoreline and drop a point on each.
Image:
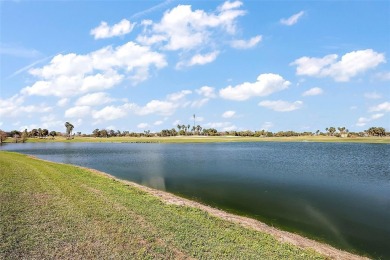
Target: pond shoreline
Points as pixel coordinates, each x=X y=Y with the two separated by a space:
x=280 y=235
x=208 y=139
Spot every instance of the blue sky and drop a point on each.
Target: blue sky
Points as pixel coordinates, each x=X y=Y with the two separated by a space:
x=236 y=65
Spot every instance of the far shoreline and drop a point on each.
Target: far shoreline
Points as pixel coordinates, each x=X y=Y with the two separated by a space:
x=205 y=139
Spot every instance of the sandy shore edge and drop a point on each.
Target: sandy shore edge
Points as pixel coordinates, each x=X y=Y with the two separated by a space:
x=280 y=235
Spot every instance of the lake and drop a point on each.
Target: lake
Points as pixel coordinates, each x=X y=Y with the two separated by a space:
x=333 y=192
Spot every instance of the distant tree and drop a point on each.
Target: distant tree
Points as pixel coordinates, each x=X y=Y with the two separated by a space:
x=3 y=136
x=112 y=133
x=24 y=136
x=178 y=127
x=331 y=130
x=69 y=129
x=376 y=131
x=15 y=134
x=53 y=133
x=34 y=133
x=104 y=133
x=45 y=132
x=198 y=129
x=96 y=132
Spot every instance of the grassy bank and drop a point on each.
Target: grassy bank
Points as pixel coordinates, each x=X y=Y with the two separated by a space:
x=211 y=139
x=51 y=210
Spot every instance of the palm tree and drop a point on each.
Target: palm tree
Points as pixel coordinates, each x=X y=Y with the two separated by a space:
x=69 y=129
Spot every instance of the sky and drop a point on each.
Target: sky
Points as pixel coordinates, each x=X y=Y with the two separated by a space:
x=236 y=65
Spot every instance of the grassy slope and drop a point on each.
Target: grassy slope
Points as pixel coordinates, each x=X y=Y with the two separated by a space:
x=217 y=139
x=53 y=210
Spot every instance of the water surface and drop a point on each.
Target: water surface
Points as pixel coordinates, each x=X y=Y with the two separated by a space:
x=334 y=192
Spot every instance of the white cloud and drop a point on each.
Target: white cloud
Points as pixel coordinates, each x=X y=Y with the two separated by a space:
x=281 y=106
x=362 y=121
x=142 y=125
x=62 y=102
x=292 y=19
x=178 y=95
x=350 y=65
x=199 y=59
x=159 y=107
x=313 y=92
x=109 y=113
x=13 y=107
x=267 y=125
x=72 y=74
x=51 y=121
x=78 y=112
x=94 y=99
x=206 y=91
x=105 y=31
x=265 y=85
x=242 y=44
x=181 y=28
x=229 y=114
x=372 y=95
x=383 y=107
x=159 y=122
x=229 y=5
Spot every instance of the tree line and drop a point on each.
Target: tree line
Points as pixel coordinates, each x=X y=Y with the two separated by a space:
x=186 y=130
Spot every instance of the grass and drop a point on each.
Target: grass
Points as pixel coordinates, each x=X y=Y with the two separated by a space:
x=51 y=210
x=212 y=139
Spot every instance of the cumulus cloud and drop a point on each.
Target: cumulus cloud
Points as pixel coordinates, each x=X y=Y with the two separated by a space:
x=350 y=65
x=313 y=92
x=292 y=19
x=281 y=106
x=206 y=91
x=242 y=44
x=181 y=28
x=199 y=59
x=229 y=114
x=265 y=85
x=14 y=107
x=159 y=122
x=106 y=31
x=78 y=112
x=73 y=74
x=383 y=107
x=362 y=121
x=109 y=113
x=94 y=99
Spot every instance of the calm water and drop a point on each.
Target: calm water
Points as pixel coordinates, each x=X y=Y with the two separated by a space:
x=334 y=192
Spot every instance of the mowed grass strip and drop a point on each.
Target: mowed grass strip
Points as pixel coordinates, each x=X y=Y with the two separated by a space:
x=51 y=210
x=208 y=139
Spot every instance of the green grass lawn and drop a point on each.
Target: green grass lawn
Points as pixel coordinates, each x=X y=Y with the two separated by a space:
x=51 y=210
x=212 y=139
